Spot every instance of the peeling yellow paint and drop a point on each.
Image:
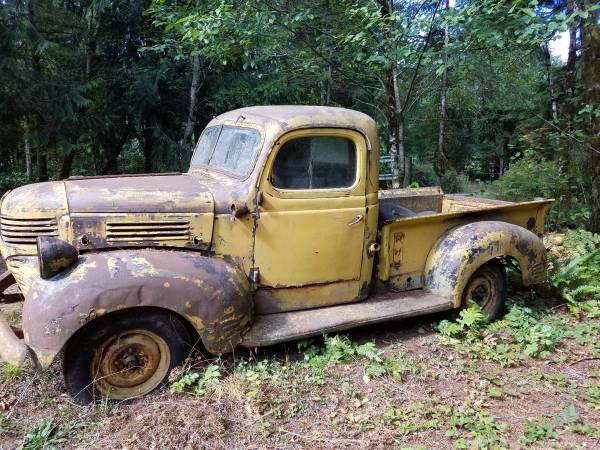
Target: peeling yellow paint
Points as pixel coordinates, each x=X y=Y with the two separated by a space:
x=197 y=322
x=309 y=248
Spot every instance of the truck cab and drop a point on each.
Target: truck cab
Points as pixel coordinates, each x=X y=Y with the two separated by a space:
x=278 y=231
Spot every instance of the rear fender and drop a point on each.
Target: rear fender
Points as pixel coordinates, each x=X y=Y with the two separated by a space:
x=461 y=251
x=210 y=293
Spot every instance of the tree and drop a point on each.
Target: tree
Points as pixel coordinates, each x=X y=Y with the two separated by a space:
x=591 y=81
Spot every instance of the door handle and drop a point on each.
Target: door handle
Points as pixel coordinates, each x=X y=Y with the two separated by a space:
x=356 y=220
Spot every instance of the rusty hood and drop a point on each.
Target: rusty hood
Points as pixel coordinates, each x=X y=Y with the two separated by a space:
x=103 y=212
x=138 y=194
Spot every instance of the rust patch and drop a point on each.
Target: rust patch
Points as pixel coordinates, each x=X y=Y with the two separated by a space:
x=398 y=240
x=104 y=282
x=459 y=253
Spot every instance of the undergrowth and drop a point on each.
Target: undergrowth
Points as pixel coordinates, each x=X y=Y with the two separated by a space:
x=524 y=332
x=339 y=349
x=290 y=388
x=47 y=435
x=576 y=279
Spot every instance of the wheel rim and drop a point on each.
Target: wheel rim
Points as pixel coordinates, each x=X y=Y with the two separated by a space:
x=130 y=364
x=481 y=290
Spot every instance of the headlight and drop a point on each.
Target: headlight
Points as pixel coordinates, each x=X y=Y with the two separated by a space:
x=54 y=255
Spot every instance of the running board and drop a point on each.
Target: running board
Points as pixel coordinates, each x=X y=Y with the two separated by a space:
x=272 y=329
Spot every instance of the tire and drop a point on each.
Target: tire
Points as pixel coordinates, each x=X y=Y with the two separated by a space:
x=487 y=287
x=124 y=355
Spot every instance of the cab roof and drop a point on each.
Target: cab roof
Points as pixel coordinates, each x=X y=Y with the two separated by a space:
x=276 y=120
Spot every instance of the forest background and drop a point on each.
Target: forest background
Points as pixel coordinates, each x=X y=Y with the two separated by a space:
x=467 y=94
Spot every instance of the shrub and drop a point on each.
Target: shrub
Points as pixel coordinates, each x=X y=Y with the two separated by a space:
x=531 y=176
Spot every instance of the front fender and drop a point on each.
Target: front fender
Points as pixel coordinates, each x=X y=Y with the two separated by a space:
x=461 y=251
x=212 y=294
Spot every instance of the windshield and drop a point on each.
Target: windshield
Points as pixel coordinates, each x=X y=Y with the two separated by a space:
x=231 y=149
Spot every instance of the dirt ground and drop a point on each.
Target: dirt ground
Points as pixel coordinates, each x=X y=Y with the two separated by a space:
x=444 y=399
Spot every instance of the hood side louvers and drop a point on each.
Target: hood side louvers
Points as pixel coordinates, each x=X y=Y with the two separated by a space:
x=148 y=231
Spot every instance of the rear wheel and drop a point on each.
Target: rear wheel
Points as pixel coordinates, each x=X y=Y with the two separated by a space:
x=487 y=289
x=124 y=356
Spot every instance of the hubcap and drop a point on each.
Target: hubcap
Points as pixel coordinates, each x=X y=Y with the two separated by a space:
x=130 y=364
x=481 y=290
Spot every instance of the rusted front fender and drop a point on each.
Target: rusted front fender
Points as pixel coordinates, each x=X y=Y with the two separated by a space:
x=212 y=294
x=461 y=251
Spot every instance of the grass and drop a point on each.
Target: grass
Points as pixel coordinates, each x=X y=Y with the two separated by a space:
x=9 y=373
x=396 y=385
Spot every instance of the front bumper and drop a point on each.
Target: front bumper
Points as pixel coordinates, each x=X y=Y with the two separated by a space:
x=13 y=350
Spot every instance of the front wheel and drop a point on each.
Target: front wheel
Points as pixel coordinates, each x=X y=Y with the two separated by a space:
x=124 y=356
x=487 y=289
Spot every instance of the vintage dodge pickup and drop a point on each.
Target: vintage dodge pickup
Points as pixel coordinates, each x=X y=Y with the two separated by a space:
x=277 y=232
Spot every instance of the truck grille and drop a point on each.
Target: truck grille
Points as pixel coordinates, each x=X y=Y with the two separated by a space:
x=25 y=231
x=148 y=231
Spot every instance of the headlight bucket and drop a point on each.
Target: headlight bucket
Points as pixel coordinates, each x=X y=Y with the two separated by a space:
x=54 y=255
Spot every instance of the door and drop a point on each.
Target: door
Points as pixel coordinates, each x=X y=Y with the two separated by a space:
x=311 y=225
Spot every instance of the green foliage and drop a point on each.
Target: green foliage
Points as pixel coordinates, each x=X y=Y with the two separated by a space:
x=258 y=373
x=12 y=180
x=468 y=325
x=580 y=242
x=484 y=431
x=340 y=350
x=6 y=425
x=416 y=417
x=532 y=175
x=198 y=383
x=592 y=395
x=577 y=280
x=8 y=372
x=570 y=419
x=523 y=333
x=47 y=435
x=538 y=432
x=111 y=92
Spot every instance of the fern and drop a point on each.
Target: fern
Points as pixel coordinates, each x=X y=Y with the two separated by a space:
x=578 y=279
x=370 y=351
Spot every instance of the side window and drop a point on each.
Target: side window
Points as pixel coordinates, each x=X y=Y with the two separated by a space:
x=316 y=162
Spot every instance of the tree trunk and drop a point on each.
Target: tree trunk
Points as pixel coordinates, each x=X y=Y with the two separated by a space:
x=147 y=140
x=394 y=113
x=550 y=81
x=398 y=162
x=27 y=144
x=112 y=146
x=184 y=143
x=67 y=163
x=42 y=165
x=570 y=76
x=407 y=171
x=591 y=81
x=440 y=160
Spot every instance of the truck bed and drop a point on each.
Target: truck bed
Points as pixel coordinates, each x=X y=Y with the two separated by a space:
x=406 y=242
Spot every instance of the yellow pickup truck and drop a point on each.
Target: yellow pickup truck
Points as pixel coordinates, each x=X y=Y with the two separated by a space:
x=277 y=232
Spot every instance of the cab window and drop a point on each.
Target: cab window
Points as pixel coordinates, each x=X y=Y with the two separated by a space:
x=316 y=162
